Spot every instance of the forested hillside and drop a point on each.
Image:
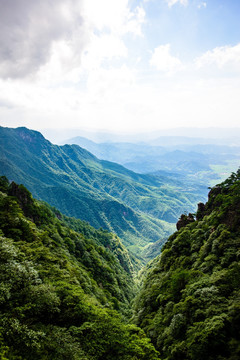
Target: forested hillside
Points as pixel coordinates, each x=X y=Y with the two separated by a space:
x=68 y=294
x=195 y=161
x=139 y=208
x=63 y=294
x=190 y=301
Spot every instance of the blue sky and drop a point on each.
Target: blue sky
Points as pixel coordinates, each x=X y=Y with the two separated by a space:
x=120 y=65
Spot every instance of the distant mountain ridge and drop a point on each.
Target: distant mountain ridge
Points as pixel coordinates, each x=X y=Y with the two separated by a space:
x=200 y=160
x=209 y=135
x=138 y=208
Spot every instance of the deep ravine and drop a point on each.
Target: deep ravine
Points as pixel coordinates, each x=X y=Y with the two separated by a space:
x=68 y=291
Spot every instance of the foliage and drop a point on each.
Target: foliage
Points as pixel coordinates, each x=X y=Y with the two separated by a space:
x=140 y=209
x=64 y=294
x=189 y=304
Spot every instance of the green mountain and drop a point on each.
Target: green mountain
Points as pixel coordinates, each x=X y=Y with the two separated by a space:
x=67 y=289
x=63 y=294
x=200 y=161
x=138 y=208
x=189 y=304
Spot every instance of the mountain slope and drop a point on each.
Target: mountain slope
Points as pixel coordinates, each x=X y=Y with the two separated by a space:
x=200 y=160
x=189 y=304
x=137 y=207
x=62 y=293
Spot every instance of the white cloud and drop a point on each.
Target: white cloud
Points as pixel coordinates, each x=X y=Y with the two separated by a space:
x=224 y=57
x=110 y=84
x=85 y=84
x=39 y=33
x=83 y=76
x=202 y=5
x=163 y=61
x=173 y=2
x=135 y=21
x=114 y=16
x=105 y=47
x=116 y=100
x=30 y=29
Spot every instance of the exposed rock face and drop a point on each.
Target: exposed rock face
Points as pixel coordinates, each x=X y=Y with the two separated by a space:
x=21 y=193
x=217 y=189
x=200 y=211
x=184 y=220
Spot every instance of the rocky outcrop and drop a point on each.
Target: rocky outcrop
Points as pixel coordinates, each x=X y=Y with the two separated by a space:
x=184 y=220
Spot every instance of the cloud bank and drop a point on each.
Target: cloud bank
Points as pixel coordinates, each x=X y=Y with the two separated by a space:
x=221 y=57
x=29 y=30
x=163 y=61
x=114 y=65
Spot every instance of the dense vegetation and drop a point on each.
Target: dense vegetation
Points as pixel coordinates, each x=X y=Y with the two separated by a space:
x=194 y=161
x=139 y=208
x=66 y=289
x=63 y=294
x=190 y=301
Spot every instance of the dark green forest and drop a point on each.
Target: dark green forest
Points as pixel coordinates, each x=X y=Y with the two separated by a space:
x=63 y=294
x=69 y=291
x=189 y=304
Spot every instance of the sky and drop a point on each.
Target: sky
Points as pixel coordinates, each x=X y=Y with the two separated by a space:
x=119 y=65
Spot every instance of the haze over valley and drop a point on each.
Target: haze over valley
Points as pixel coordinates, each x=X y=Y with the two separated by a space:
x=204 y=160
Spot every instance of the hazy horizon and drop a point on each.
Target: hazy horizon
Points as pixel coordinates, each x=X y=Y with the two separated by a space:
x=212 y=133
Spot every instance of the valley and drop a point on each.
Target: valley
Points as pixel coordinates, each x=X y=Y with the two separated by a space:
x=140 y=208
x=65 y=294
x=94 y=268
x=195 y=160
x=64 y=282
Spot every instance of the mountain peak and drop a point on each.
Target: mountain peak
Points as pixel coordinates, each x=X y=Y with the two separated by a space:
x=30 y=136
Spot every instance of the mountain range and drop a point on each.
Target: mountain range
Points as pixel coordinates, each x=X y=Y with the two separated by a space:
x=182 y=135
x=140 y=208
x=200 y=160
